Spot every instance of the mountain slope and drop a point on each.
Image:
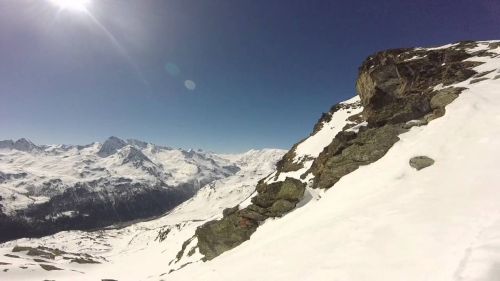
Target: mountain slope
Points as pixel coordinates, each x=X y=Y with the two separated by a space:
x=153 y=245
x=45 y=189
x=390 y=221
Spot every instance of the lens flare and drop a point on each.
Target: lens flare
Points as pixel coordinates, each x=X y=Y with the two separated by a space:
x=71 y=5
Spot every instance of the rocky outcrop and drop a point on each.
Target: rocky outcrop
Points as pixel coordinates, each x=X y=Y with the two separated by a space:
x=398 y=89
x=236 y=226
x=349 y=150
x=397 y=85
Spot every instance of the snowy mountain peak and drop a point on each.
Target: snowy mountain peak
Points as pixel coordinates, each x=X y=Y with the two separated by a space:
x=21 y=144
x=111 y=146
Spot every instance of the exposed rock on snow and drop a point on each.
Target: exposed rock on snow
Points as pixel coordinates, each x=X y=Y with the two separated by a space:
x=398 y=89
x=236 y=226
x=421 y=162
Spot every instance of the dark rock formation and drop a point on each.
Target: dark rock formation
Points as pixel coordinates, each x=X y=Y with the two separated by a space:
x=421 y=162
x=349 y=150
x=236 y=226
x=397 y=85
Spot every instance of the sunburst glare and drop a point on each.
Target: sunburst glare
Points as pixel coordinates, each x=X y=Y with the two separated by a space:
x=72 y=5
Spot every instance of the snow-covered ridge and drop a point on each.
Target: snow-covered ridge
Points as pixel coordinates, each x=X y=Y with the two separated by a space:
x=69 y=165
x=152 y=245
x=52 y=183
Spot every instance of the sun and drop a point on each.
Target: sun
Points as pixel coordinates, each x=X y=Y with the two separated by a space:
x=71 y=5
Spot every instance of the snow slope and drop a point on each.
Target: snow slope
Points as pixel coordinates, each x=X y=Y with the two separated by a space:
x=142 y=245
x=387 y=221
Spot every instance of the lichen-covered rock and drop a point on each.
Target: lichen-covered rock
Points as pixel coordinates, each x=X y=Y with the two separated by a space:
x=290 y=189
x=280 y=207
x=421 y=162
x=216 y=237
x=347 y=152
x=236 y=226
x=397 y=85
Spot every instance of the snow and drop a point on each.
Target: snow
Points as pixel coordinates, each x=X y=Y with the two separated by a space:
x=70 y=165
x=388 y=221
x=385 y=221
x=122 y=250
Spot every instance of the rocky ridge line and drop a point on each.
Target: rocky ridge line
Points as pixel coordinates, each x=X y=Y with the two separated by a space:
x=399 y=89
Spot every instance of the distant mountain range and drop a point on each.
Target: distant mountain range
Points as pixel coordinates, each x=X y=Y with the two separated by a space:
x=48 y=188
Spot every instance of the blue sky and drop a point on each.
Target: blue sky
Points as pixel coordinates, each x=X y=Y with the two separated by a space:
x=264 y=70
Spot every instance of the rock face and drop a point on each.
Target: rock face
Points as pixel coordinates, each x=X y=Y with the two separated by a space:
x=421 y=162
x=398 y=89
x=397 y=85
x=111 y=146
x=236 y=226
x=350 y=150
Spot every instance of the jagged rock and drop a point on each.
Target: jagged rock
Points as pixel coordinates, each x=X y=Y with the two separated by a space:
x=287 y=163
x=290 y=189
x=421 y=162
x=216 y=237
x=348 y=151
x=397 y=85
x=111 y=146
x=273 y=200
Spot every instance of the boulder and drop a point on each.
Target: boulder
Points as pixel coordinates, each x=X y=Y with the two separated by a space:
x=421 y=162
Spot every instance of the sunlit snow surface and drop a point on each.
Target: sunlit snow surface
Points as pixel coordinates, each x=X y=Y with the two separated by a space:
x=134 y=252
x=385 y=221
